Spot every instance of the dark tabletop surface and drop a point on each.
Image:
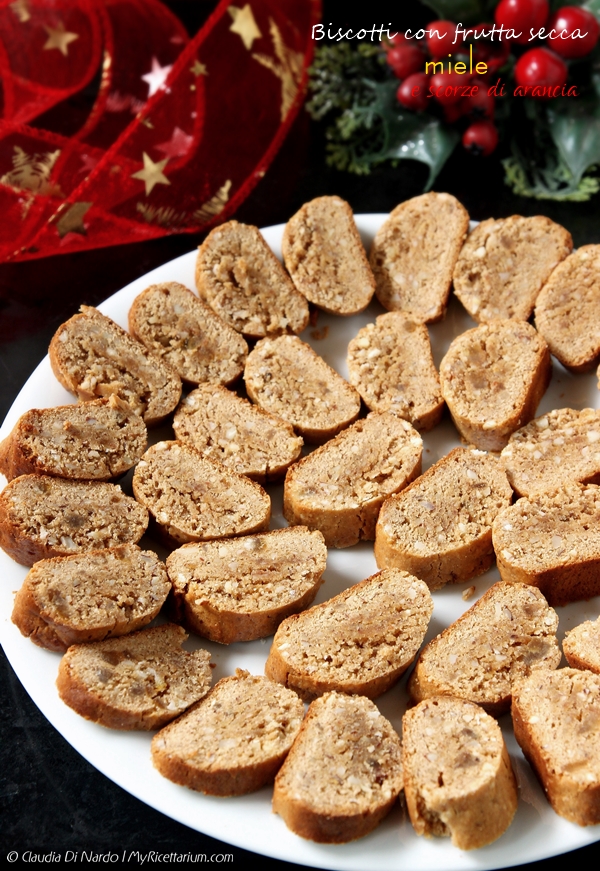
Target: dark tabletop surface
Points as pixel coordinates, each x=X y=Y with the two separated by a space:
x=52 y=799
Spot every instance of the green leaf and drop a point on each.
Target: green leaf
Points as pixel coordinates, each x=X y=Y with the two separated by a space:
x=432 y=143
x=592 y=6
x=464 y=11
x=575 y=130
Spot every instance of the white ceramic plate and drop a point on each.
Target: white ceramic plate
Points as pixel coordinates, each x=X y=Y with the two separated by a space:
x=247 y=822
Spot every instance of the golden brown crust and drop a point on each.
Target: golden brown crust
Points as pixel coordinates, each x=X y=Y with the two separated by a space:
x=581 y=646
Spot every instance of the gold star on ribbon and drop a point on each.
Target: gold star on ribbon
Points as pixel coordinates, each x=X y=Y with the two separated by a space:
x=244 y=24
x=59 y=38
x=72 y=220
x=20 y=9
x=152 y=173
x=198 y=69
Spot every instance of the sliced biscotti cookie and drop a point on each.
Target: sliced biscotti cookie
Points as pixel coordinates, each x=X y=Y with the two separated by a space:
x=92 y=357
x=90 y=596
x=414 y=253
x=241 y=279
x=343 y=773
x=94 y=441
x=552 y=540
x=339 y=488
x=566 y=311
x=556 y=718
x=232 y=742
x=440 y=527
x=505 y=635
x=493 y=378
x=505 y=263
x=241 y=589
x=230 y=430
x=360 y=642
x=324 y=255
x=43 y=517
x=173 y=323
x=139 y=681
x=194 y=499
x=582 y=646
x=558 y=448
x=286 y=377
x=390 y=364
x=458 y=780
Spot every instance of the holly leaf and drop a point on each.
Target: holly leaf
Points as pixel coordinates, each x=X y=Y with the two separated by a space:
x=431 y=143
x=592 y=6
x=575 y=130
x=464 y=11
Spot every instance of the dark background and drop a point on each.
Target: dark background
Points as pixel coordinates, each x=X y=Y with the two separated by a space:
x=51 y=798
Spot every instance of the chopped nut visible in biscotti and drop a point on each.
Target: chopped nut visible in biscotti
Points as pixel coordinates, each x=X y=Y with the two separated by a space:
x=493 y=378
x=414 y=253
x=505 y=263
x=505 y=635
x=439 y=528
x=556 y=718
x=187 y=334
x=560 y=447
x=572 y=289
x=241 y=279
x=90 y=596
x=43 y=517
x=391 y=366
x=233 y=741
x=194 y=499
x=458 y=780
x=359 y=642
x=92 y=357
x=94 y=440
x=582 y=646
x=138 y=681
x=286 y=377
x=324 y=255
x=552 y=540
x=230 y=430
x=339 y=488
x=242 y=588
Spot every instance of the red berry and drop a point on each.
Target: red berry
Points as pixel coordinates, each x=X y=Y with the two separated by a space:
x=447 y=87
x=391 y=42
x=540 y=67
x=481 y=104
x=567 y=20
x=493 y=52
x=406 y=59
x=453 y=111
x=521 y=16
x=440 y=38
x=412 y=93
x=481 y=138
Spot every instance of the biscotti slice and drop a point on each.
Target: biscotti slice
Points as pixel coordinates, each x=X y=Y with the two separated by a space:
x=241 y=279
x=324 y=255
x=552 y=540
x=230 y=430
x=139 y=681
x=343 y=773
x=505 y=263
x=390 y=364
x=94 y=440
x=560 y=447
x=286 y=377
x=414 y=253
x=90 y=596
x=92 y=357
x=440 y=527
x=194 y=499
x=566 y=311
x=556 y=718
x=173 y=323
x=339 y=488
x=232 y=742
x=458 y=780
x=360 y=642
x=582 y=646
x=493 y=378
x=43 y=517
x=505 y=635
x=241 y=589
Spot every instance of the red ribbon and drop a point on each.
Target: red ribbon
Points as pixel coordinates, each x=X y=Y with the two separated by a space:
x=139 y=131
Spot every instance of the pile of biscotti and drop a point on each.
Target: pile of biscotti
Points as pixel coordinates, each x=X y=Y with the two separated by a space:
x=522 y=491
